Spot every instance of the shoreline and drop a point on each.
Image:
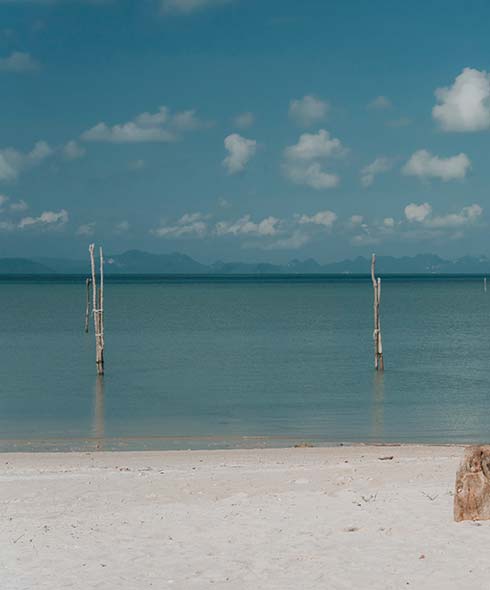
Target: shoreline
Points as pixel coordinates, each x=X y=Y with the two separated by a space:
x=164 y=444
x=356 y=516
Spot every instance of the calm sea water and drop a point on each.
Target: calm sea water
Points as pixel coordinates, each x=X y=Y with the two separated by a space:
x=203 y=362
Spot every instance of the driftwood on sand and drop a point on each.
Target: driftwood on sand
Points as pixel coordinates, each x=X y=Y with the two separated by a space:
x=472 y=494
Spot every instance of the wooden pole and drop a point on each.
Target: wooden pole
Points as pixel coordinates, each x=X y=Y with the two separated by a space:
x=485 y=285
x=379 y=364
x=97 y=301
x=88 y=282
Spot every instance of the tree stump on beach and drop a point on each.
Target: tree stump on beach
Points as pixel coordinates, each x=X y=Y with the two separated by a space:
x=472 y=495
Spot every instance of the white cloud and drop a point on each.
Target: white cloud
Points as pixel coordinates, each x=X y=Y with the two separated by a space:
x=380 y=103
x=424 y=165
x=48 y=219
x=301 y=164
x=378 y=166
x=18 y=62
x=312 y=146
x=245 y=226
x=13 y=162
x=419 y=213
x=187 y=121
x=189 y=225
x=184 y=7
x=308 y=110
x=87 y=229
x=73 y=151
x=389 y=222
x=161 y=126
x=240 y=151
x=20 y=205
x=423 y=214
x=466 y=216
x=244 y=120
x=464 y=106
x=356 y=219
x=313 y=176
x=325 y=218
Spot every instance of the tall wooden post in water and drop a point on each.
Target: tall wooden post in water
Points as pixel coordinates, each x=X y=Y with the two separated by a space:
x=88 y=282
x=379 y=364
x=98 y=309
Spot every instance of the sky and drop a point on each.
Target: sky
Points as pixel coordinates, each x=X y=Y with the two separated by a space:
x=252 y=130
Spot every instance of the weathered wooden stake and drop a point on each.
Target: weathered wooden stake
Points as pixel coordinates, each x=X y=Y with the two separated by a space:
x=88 y=282
x=98 y=310
x=379 y=364
x=485 y=284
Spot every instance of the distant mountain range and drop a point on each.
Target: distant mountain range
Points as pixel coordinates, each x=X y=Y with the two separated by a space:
x=137 y=262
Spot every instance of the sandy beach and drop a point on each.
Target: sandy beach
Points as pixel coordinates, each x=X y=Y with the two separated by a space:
x=343 y=517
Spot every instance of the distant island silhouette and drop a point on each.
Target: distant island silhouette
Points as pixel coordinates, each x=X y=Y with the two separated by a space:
x=139 y=262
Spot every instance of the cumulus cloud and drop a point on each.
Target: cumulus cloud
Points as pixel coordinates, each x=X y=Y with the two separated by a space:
x=414 y=212
x=369 y=172
x=18 y=61
x=47 y=220
x=423 y=214
x=356 y=219
x=312 y=176
x=161 y=126
x=13 y=162
x=464 y=106
x=308 y=110
x=424 y=165
x=73 y=151
x=466 y=216
x=325 y=218
x=245 y=226
x=312 y=146
x=244 y=120
x=380 y=103
x=20 y=205
x=301 y=161
x=190 y=225
x=240 y=152
x=185 y=7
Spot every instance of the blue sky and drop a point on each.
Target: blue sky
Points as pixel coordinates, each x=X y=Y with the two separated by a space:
x=244 y=129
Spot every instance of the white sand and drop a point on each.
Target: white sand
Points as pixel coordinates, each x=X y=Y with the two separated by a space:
x=325 y=518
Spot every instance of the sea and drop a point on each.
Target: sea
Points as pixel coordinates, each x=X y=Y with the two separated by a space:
x=243 y=361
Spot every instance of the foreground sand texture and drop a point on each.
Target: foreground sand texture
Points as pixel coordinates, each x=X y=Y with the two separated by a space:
x=269 y=519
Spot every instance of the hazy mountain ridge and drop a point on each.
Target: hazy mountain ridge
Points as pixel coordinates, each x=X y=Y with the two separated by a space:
x=139 y=262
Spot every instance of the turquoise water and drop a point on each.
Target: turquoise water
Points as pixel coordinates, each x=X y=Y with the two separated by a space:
x=243 y=361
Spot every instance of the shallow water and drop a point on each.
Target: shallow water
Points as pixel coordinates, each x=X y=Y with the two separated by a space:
x=200 y=362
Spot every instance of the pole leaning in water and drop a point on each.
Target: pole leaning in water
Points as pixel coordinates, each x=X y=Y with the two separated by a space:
x=379 y=364
x=97 y=309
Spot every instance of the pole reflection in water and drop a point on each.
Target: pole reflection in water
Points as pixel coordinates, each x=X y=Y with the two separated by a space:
x=378 y=406
x=98 y=424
